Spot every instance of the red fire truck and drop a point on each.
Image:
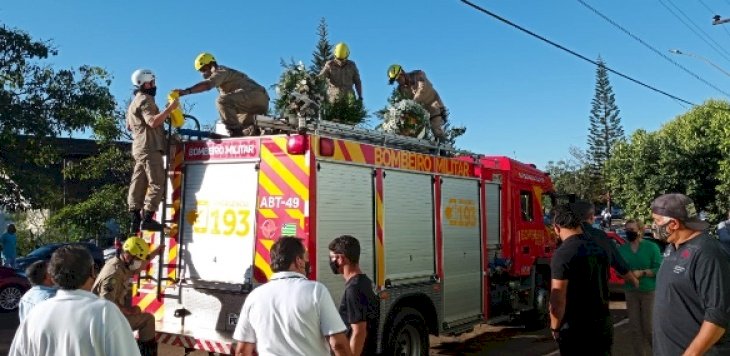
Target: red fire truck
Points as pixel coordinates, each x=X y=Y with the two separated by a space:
x=450 y=242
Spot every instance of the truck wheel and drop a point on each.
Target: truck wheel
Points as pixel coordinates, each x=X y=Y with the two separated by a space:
x=537 y=318
x=409 y=335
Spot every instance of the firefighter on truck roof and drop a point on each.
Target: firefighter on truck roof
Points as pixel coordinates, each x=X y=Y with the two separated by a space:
x=240 y=99
x=146 y=121
x=341 y=74
x=112 y=284
x=415 y=86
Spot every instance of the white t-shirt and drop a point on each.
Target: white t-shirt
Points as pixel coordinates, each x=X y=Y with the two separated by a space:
x=289 y=315
x=74 y=322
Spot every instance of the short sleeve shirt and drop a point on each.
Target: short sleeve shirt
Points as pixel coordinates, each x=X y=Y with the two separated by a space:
x=229 y=81
x=359 y=303
x=112 y=282
x=692 y=287
x=289 y=315
x=140 y=115
x=584 y=263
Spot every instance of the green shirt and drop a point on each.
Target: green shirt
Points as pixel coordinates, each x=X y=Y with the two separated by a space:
x=647 y=256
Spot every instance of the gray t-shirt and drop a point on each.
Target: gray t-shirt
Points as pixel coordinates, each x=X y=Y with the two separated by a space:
x=693 y=286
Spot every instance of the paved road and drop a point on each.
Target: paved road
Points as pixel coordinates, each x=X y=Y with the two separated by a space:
x=493 y=340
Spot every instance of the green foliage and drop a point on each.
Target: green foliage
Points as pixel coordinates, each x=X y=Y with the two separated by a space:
x=38 y=102
x=574 y=176
x=323 y=52
x=86 y=219
x=385 y=115
x=298 y=92
x=690 y=155
x=346 y=109
x=605 y=124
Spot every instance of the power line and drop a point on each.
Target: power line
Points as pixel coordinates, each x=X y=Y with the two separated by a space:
x=661 y=54
x=576 y=54
x=714 y=48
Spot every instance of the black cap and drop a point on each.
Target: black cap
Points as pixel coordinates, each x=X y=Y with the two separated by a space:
x=680 y=207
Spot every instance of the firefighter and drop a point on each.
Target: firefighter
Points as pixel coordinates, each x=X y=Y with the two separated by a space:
x=113 y=284
x=341 y=74
x=415 y=86
x=240 y=99
x=145 y=121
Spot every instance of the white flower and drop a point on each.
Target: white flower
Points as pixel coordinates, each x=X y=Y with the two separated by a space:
x=300 y=66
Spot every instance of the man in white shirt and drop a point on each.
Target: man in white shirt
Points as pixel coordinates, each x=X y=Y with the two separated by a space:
x=75 y=321
x=290 y=315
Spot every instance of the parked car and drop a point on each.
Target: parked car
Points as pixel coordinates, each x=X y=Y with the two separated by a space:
x=43 y=253
x=12 y=287
x=615 y=282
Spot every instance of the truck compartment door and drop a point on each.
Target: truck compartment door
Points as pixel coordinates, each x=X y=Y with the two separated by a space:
x=462 y=258
x=345 y=203
x=218 y=229
x=408 y=233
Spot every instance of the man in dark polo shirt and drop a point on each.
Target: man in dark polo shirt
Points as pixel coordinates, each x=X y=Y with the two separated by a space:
x=692 y=300
x=587 y=211
x=579 y=315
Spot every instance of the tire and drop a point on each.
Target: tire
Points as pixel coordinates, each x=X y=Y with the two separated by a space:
x=538 y=318
x=10 y=297
x=409 y=335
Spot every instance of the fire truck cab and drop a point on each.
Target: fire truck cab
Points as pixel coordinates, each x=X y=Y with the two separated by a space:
x=448 y=242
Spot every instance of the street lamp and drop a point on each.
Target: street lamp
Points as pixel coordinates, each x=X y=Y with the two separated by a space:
x=676 y=51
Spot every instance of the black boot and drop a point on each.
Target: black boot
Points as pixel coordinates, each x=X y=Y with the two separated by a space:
x=147 y=348
x=150 y=224
x=235 y=132
x=136 y=220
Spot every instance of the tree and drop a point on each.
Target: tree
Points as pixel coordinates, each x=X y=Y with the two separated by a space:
x=574 y=176
x=605 y=124
x=323 y=52
x=109 y=172
x=689 y=155
x=38 y=103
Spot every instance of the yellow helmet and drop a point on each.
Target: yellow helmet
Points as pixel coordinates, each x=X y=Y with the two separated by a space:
x=393 y=72
x=341 y=51
x=203 y=59
x=137 y=247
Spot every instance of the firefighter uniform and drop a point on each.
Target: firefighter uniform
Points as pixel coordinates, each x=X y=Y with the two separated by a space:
x=112 y=284
x=240 y=100
x=419 y=89
x=145 y=190
x=341 y=75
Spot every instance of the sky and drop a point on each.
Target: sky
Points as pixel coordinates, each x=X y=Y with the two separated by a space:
x=516 y=95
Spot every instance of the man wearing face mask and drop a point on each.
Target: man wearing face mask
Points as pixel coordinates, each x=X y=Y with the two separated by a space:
x=290 y=315
x=579 y=293
x=145 y=121
x=359 y=307
x=692 y=304
x=113 y=284
x=644 y=260
x=240 y=99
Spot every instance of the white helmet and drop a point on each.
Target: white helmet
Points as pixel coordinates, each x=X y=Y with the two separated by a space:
x=141 y=76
